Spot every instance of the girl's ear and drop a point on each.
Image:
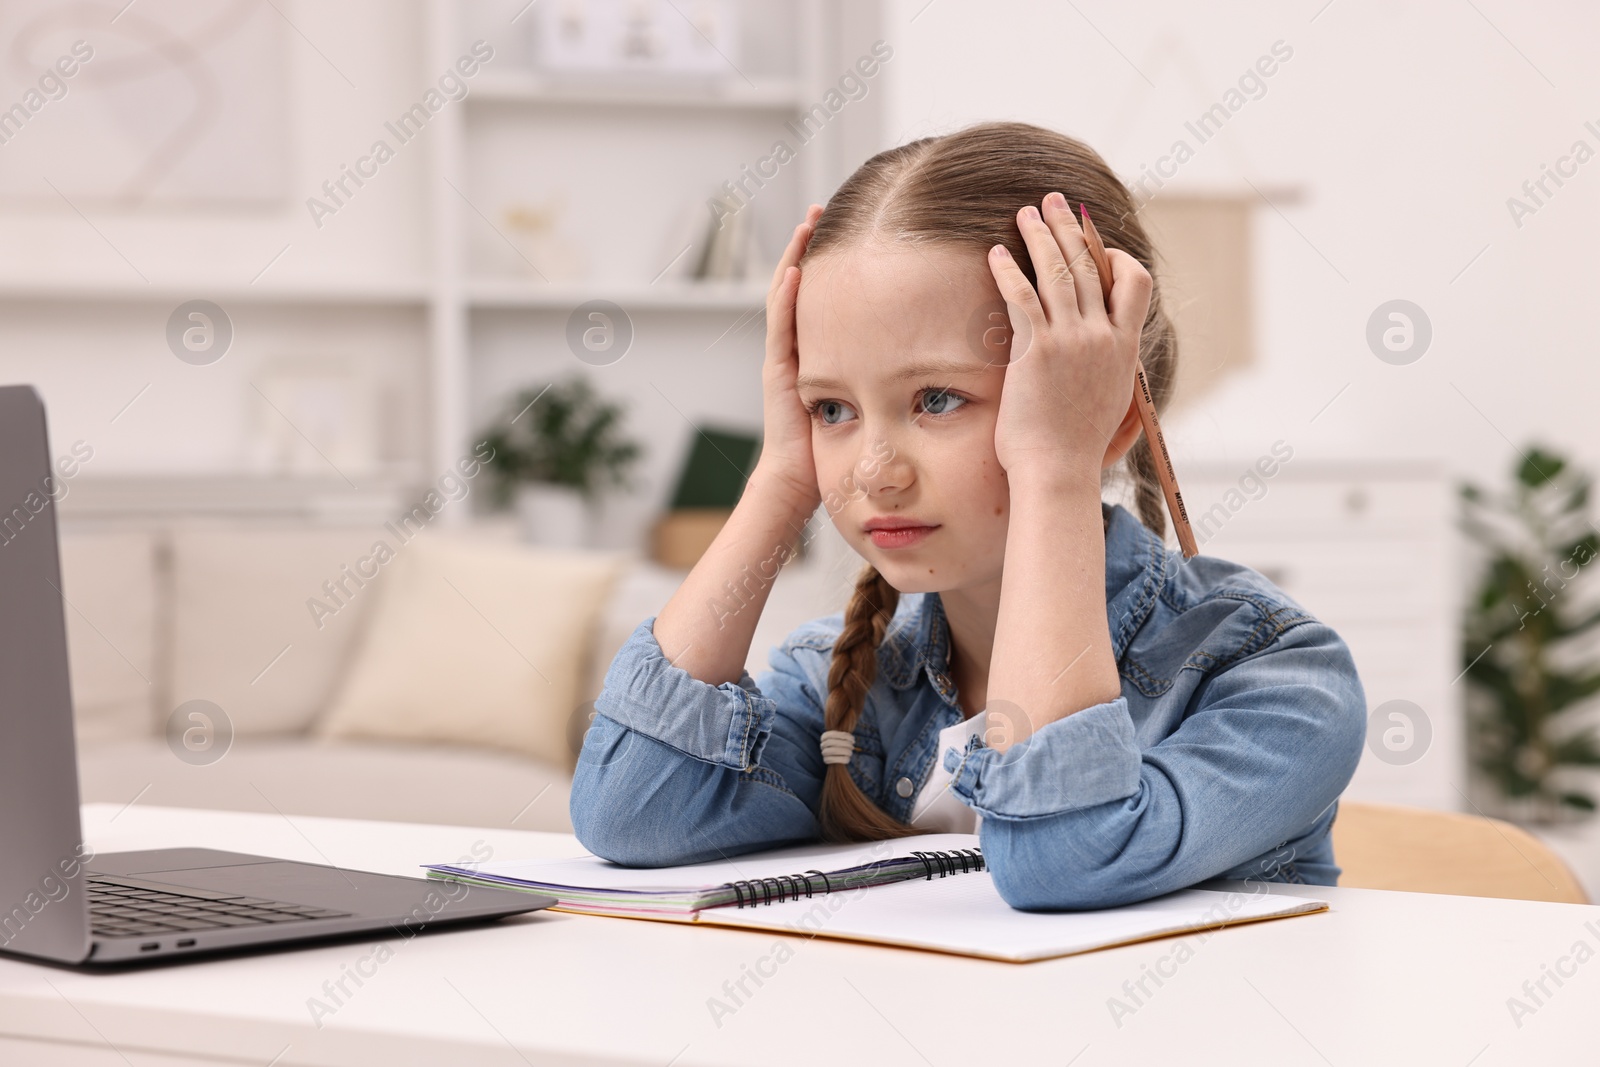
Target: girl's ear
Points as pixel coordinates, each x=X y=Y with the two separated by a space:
x=1127 y=433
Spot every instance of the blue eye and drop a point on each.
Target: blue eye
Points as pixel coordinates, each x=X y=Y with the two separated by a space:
x=939 y=396
x=821 y=406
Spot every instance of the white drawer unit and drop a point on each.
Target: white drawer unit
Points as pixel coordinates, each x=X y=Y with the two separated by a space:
x=1365 y=546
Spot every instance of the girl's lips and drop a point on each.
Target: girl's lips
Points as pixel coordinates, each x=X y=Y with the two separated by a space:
x=904 y=537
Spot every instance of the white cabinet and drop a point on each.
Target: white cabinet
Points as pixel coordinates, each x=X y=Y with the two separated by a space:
x=1365 y=546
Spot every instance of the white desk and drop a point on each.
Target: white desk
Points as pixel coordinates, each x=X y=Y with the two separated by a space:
x=1381 y=978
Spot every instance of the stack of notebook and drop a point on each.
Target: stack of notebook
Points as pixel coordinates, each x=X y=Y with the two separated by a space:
x=928 y=891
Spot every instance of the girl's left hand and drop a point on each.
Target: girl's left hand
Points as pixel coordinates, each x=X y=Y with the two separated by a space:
x=1070 y=379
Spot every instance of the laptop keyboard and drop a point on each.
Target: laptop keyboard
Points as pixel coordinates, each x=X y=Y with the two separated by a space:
x=118 y=909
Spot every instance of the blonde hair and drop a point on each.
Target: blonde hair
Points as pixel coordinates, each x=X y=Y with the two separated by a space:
x=964 y=189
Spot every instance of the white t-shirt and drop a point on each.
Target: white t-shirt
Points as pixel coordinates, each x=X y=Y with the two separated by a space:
x=936 y=808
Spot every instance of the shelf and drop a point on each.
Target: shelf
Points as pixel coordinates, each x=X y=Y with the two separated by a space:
x=767 y=94
x=478 y=293
x=638 y=296
x=377 y=496
x=303 y=292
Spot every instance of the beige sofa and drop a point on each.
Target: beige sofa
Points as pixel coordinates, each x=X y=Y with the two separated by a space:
x=168 y=611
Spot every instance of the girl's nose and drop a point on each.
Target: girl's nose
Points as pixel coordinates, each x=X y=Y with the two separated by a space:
x=884 y=467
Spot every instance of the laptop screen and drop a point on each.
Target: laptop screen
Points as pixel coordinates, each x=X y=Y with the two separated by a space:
x=42 y=908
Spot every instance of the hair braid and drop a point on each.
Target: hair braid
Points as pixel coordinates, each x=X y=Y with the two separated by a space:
x=847 y=813
x=1148 y=496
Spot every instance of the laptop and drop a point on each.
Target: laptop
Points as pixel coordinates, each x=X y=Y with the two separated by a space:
x=60 y=903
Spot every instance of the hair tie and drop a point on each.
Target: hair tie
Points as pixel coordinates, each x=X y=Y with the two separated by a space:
x=837 y=746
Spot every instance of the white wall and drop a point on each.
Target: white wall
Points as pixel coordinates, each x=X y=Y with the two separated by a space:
x=90 y=356
x=1407 y=126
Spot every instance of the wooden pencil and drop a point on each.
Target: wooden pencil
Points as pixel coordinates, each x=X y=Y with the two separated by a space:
x=1146 y=402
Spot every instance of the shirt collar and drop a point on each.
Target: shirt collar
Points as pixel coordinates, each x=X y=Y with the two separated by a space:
x=1137 y=566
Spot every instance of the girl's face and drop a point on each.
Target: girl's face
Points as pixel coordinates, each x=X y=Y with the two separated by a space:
x=902 y=359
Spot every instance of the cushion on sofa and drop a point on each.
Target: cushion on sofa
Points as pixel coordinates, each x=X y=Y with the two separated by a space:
x=475 y=642
x=109 y=581
x=247 y=632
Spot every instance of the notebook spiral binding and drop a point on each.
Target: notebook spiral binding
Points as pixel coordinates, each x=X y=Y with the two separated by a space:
x=749 y=892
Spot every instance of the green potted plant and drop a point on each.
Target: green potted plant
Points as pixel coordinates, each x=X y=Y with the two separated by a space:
x=1522 y=654
x=556 y=450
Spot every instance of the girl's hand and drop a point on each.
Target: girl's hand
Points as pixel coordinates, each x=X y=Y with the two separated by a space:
x=1070 y=379
x=786 y=435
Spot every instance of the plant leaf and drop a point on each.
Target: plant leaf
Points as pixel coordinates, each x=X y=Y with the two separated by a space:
x=1582 y=801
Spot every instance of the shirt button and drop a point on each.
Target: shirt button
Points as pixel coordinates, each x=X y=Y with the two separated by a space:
x=903 y=787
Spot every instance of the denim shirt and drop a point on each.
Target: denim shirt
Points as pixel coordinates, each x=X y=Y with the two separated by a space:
x=1241 y=719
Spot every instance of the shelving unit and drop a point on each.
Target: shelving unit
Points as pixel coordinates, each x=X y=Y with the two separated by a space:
x=413 y=286
x=646 y=152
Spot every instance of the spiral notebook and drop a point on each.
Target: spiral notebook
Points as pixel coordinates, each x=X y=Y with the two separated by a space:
x=929 y=891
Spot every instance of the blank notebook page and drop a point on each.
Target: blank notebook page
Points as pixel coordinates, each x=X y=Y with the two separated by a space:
x=965 y=914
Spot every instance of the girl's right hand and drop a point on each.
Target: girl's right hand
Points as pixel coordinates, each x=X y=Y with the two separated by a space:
x=785 y=457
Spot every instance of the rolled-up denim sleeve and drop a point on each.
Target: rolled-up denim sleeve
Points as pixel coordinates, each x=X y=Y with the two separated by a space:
x=1078 y=816
x=727 y=724
x=676 y=770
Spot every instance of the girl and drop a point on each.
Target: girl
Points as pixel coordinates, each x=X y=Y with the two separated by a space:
x=943 y=373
